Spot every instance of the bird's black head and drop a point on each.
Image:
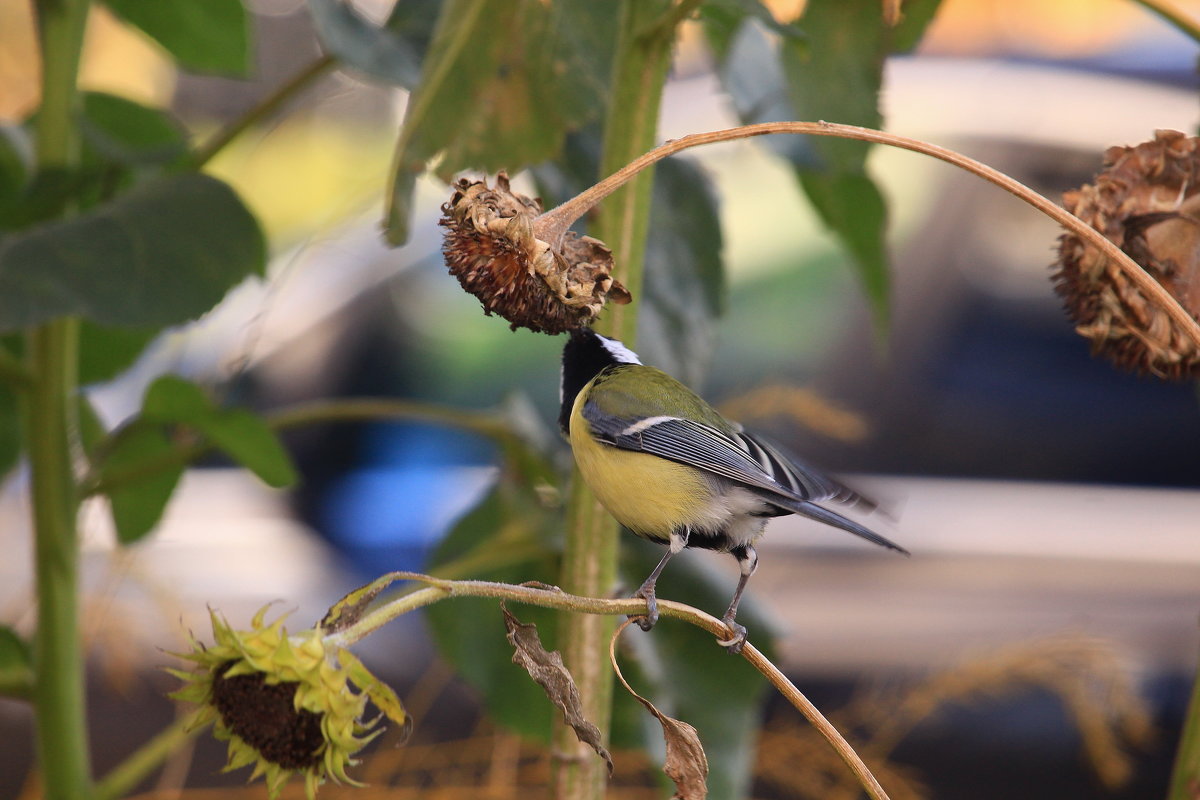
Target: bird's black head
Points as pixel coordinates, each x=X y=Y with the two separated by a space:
x=585 y=354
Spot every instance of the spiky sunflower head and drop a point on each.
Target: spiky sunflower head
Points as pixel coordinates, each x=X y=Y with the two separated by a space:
x=500 y=248
x=1147 y=202
x=286 y=704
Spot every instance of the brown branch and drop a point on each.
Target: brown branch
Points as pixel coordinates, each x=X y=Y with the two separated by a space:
x=556 y=221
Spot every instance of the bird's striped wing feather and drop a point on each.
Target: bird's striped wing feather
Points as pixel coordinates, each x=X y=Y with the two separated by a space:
x=737 y=456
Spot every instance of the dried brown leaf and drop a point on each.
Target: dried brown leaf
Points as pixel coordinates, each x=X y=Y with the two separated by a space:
x=349 y=609
x=547 y=669
x=686 y=763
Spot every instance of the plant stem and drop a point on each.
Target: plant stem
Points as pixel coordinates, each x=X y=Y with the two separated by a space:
x=1185 y=776
x=262 y=110
x=437 y=589
x=482 y=423
x=58 y=653
x=147 y=758
x=640 y=64
x=1172 y=15
x=47 y=406
x=565 y=214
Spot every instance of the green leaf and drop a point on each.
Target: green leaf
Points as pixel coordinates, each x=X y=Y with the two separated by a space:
x=848 y=43
x=833 y=74
x=503 y=82
x=684 y=289
x=247 y=439
x=92 y=430
x=202 y=35
x=104 y=351
x=10 y=430
x=241 y=435
x=16 y=665
x=392 y=52
x=499 y=539
x=15 y=166
x=850 y=204
x=138 y=505
x=164 y=253
x=172 y=399
x=129 y=133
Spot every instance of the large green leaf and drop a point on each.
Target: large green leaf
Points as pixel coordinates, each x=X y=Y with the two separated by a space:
x=166 y=252
x=203 y=35
x=105 y=351
x=684 y=288
x=241 y=435
x=14 y=166
x=503 y=82
x=126 y=132
x=10 y=430
x=834 y=73
x=470 y=632
x=138 y=463
x=138 y=504
x=391 y=52
x=16 y=664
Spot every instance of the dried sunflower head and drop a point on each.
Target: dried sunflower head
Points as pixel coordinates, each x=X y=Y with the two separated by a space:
x=493 y=246
x=286 y=704
x=1147 y=202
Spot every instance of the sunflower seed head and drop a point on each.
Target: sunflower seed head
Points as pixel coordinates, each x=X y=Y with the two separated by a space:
x=492 y=245
x=1147 y=202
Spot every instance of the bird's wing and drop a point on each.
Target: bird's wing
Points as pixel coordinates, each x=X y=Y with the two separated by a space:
x=733 y=455
x=739 y=457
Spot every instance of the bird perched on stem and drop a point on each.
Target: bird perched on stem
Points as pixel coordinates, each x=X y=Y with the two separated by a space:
x=671 y=469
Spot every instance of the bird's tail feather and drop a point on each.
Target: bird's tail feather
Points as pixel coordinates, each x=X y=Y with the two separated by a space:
x=838 y=521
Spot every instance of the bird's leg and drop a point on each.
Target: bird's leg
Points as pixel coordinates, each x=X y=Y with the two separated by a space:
x=646 y=590
x=748 y=562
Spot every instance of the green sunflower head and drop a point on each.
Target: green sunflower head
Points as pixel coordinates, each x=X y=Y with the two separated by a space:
x=286 y=704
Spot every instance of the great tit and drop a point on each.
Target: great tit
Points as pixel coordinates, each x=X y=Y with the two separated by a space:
x=672 y=470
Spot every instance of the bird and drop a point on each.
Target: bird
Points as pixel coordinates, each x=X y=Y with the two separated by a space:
x=670 y=468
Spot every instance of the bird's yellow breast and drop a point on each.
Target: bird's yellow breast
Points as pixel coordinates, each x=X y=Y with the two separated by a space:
x=649 y=495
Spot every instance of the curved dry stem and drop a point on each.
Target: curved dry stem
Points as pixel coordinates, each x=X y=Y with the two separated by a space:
x=437 y=589
x=556 y=221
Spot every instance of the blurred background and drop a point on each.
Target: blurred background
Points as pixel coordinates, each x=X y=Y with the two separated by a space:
x=1050 y=502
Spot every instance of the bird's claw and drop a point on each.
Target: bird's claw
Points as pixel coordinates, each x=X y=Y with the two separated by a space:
x=737 y=641
x=650 y=618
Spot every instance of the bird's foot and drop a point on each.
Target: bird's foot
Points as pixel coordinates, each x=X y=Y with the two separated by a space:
x=737 y=640
x=650 y=618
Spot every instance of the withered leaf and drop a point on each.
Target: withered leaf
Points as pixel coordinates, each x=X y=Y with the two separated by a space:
x=547 y=669
x=349 y=609
x=686 y=763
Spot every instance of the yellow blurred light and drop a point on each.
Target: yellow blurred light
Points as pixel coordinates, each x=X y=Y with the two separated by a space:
x=116 y=59
x=1062 y=28
x=301 y=177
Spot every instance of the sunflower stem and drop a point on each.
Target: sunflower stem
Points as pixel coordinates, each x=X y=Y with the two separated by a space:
x=640 y=65
x=437 y=589
x=141 y=763
x=262 y=110
x=1185 y=776
x=564 y=215
x=47 y=414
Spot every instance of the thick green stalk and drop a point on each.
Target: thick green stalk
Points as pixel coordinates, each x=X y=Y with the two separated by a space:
x=58 y=653
x=590 y=558
x=1185 y=777
x=47 y=411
